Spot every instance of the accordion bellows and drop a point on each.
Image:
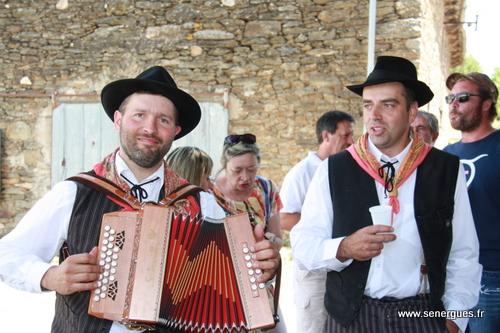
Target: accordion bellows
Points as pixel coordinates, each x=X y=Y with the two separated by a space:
x=170 y=269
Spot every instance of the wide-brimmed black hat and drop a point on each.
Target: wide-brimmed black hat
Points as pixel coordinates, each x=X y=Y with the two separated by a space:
x=396 y=69
x=155 y=80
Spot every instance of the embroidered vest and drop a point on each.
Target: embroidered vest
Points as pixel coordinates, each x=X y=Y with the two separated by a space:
x=353 y=191
x=83 y=234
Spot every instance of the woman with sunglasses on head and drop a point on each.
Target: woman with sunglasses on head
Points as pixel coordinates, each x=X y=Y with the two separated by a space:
x=238 y=189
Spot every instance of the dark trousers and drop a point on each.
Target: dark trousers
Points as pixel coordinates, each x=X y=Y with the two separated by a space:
x=382 y=316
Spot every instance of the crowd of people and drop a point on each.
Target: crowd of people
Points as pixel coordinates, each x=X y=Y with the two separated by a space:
x=437 y=252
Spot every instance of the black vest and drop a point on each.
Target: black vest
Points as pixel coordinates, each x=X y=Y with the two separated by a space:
x=353 y=191
x=83 y=234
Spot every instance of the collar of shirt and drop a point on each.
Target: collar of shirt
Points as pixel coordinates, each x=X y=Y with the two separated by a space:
x=381 y=156
x=153 y=188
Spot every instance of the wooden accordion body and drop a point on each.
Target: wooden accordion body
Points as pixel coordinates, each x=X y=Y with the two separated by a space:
x=169 y=269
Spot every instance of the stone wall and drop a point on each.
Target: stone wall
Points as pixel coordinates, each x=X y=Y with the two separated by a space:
x=284 y=63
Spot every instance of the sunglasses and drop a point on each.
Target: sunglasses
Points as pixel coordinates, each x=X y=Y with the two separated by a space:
x=460 y=97
x=233 y=139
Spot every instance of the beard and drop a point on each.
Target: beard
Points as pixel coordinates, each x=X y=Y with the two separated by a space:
x=466 y=123
x=143 y=157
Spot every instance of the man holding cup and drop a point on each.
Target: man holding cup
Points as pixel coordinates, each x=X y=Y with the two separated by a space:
x=427 y=258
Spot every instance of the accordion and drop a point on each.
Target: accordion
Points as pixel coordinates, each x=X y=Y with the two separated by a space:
x=169 y=269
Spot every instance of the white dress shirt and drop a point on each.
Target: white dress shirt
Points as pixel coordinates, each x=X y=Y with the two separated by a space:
x=27 y=251
x=396 y=271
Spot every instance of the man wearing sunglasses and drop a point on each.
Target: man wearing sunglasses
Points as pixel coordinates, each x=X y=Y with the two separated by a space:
x=472 y=103
x=424 y=256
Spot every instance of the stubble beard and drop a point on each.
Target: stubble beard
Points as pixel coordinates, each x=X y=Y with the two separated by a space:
x=467 y=124
x=145 y=157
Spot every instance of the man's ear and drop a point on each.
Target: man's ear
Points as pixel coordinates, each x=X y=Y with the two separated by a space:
x=486 y=105
x=117 y=119
x=413 y=112
x=324 y=136
x=177 y=129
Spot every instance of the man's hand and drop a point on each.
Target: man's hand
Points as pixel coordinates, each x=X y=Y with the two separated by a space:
x=77 y=273
x=451 y=326
x=365 y=243
x=266 y=255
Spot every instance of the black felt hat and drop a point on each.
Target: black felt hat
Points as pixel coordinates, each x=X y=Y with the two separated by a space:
x=155 y=80
x=396 y=69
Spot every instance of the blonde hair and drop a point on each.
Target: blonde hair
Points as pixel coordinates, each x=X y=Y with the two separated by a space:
x=232 y=150
x=190 y=163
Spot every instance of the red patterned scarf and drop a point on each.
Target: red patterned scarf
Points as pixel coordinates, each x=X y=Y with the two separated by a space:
x=107 y=169
x=365 y=159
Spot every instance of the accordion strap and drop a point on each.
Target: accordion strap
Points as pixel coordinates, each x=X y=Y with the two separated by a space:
x=110 y=188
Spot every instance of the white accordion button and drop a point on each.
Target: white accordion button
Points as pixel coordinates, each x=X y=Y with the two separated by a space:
x=105 y=241
x=258 y=271
x=252 y=279
x=103 y=255
x=111 y=238
x=108 y=259
x=116 y=249
x=105 y=281
x=102 y=295
x=113 y=263
x=112 y=270
x=106 y=273
x=253 y=286
x=114 y=256
x=102 y=263
x=246 y=250
x=110 y=246
x=111 y=278
x=106 y=234
x=107 y=228
x=104 y=248
x=112 y=231
x=249 y=264
x=262 y=285
x=99 y=283
x=107 y=266
x=248 y=257
x=97 y=298
x=97 y=291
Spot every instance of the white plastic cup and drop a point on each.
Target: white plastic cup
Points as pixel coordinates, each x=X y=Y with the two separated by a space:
x=381 y=214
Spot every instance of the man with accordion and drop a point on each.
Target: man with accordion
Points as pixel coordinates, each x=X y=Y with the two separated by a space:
x=149 y=112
